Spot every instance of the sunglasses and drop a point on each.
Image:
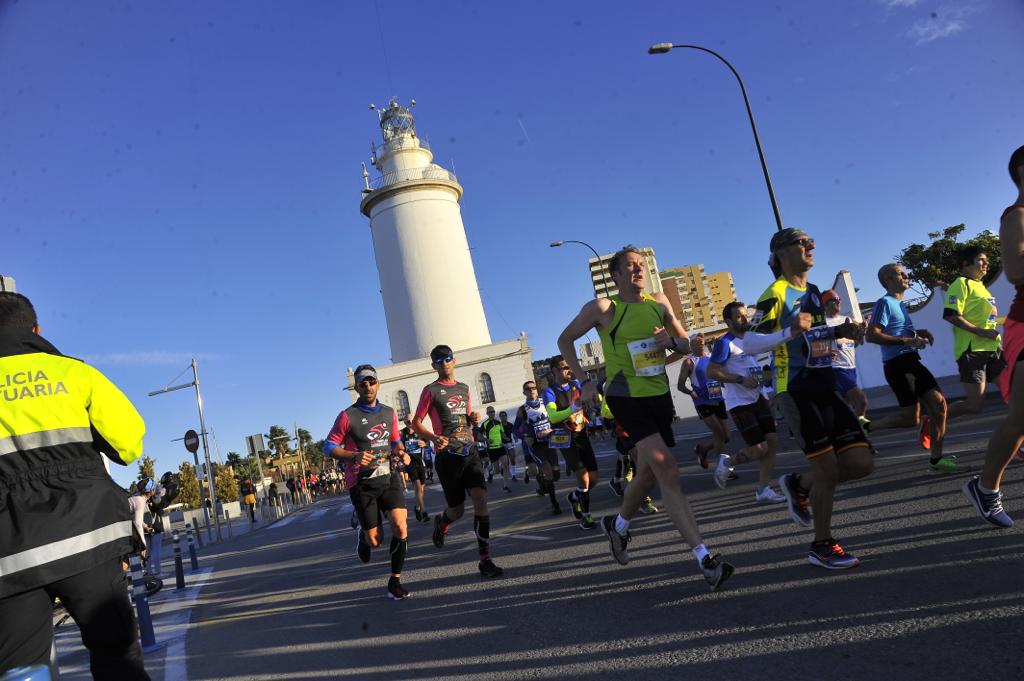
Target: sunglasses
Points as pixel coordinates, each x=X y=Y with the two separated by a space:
x=442 y=360
x=805 y=243
x=369 y=381
x=563 y=367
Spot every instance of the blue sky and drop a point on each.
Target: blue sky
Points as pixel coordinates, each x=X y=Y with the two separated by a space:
x=182 y=179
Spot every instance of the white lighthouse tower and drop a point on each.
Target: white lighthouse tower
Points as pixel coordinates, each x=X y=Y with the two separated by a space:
x=427 y=279
x=426 y=272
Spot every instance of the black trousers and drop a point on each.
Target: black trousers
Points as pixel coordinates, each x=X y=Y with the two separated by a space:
x=98 y=600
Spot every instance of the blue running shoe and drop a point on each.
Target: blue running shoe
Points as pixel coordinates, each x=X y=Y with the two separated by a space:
x=990 y=506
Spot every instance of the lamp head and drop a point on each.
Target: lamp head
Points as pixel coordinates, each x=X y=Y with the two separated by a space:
x=659 y=48
x=556 y=244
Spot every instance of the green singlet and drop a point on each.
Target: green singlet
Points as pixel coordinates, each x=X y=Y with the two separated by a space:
x=635 y=366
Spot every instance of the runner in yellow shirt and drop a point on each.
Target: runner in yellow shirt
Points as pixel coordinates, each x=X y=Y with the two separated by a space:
x=972 y=311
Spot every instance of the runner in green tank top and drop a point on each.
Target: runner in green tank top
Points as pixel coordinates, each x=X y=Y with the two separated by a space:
x=637 y=329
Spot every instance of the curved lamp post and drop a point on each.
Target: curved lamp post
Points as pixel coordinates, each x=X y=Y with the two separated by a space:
x=663 y=48
x=600 y=260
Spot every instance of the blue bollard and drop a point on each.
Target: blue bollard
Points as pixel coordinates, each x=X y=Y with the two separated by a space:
x=179 y=570
x=141 y=598
x=192 y=548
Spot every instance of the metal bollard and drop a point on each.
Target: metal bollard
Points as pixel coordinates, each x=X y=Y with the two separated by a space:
x=192 y=548
x=198 y=533
x=179 y=570
x=209 y=528
x=141 y=598
x=227 y=518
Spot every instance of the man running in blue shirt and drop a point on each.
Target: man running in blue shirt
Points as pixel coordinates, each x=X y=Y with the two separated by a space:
x=892 y=328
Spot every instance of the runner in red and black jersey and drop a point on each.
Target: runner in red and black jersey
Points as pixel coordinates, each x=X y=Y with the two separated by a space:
x=365 y=437
x=446 y=402
x=1008 y=437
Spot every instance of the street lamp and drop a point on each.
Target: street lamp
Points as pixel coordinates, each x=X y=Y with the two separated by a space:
x=600 y=261
x=206 y=447
x=663 y=48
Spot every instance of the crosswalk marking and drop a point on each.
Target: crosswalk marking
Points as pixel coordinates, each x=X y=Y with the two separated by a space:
x=316 y=515
x=282 y=523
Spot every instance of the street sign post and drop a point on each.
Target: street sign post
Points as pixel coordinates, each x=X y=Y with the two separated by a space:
x=192 y=441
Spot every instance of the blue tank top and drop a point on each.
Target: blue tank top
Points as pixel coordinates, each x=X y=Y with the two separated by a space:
x=707 y=391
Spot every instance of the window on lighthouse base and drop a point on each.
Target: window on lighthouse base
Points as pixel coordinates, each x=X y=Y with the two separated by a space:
x=486 y=388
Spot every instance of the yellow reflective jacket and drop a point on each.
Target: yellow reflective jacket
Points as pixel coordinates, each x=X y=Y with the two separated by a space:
x=60 y=512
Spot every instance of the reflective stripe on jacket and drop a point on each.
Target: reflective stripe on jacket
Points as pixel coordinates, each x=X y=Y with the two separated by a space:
x=60 y=512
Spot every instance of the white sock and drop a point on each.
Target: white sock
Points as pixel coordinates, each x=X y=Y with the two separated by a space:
x=621 y=525
x=580 y=490
x=512 y=470
x=699 y=552
x=724 y=460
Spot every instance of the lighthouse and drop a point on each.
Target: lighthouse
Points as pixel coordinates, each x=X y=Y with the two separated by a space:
x=427 y=281
x=426 y=272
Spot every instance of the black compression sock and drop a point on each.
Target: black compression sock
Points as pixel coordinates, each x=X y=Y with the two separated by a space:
x=482 y=526
x=399 y=547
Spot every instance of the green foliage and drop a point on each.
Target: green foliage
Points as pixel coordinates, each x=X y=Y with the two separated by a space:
x=147 y=468
x=224 y=483
x=188 y=491
x=276 y=441
x=935 y=265
x=315 y=455
x=234 y=459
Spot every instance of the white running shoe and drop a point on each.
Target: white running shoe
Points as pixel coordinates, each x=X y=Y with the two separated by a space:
x=769 y=496
x=723 y=470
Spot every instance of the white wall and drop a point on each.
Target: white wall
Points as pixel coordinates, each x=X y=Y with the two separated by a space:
x=508 y=363
x=939 y=357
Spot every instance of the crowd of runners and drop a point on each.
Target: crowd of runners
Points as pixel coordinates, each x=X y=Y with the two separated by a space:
x=808 y=384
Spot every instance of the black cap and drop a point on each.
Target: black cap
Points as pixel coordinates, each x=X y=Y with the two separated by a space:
x=786 y=237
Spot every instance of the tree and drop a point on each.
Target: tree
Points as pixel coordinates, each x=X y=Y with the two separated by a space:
x=188 y=490
x=934 y=266
x=147 y=468
x=280 y=446
x=224 y=483
x=234 y=459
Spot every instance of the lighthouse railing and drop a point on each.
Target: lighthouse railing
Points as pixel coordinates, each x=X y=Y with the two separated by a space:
x=406 y=174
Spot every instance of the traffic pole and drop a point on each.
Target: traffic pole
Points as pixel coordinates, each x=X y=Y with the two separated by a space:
x=179 y=570
x=146 y=636
x=227 y=519
x=198 y=532
x=192 y=548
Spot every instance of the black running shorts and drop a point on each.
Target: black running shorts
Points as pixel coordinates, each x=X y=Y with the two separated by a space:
x=373 y=495
x=981 y=366
x=642 y=417
x=495 y=454
x=754 y=421
x=540 y=454
x=706 y=411
x=458 y=474
x=908 y=378
x=822 y=421
x=579 y=456
x=415 y=469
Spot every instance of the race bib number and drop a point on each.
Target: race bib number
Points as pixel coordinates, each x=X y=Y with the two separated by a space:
x=714 y=390
x=993 y=314
x=560 y=439
x=819 y=347
x=648 y=358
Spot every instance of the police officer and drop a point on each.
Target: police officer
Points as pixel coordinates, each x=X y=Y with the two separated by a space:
x=66 y=524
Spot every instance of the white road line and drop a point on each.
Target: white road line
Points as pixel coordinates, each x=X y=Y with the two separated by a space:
x=502 y=535
x=281 y=523
x=175 y=661
x=316 y=515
